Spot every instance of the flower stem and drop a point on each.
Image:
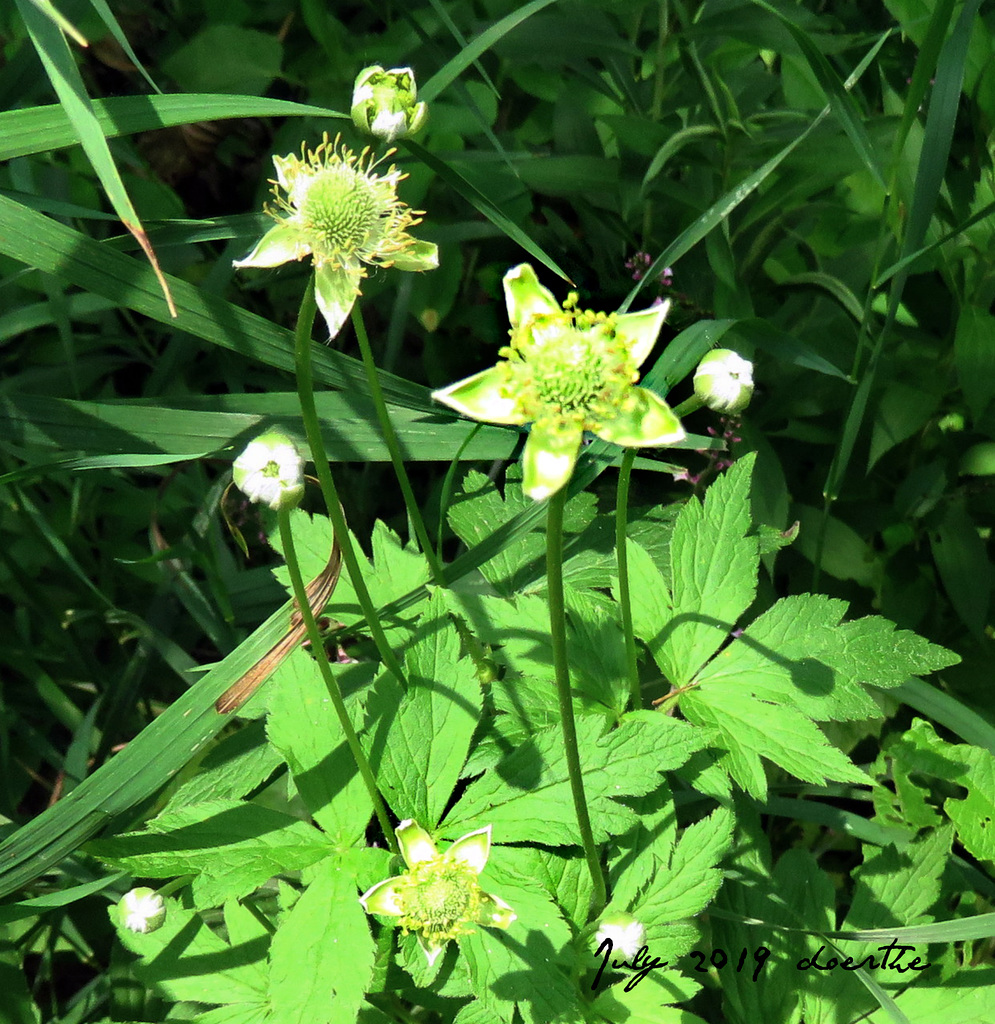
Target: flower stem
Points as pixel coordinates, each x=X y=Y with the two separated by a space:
x=305 y=392
x=558 y=636
x=396 y=456
x=688 y=406
x=622 y=564
x=331 y=683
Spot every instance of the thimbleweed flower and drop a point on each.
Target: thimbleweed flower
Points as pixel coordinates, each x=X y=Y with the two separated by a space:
x=567 y=370
x=724 y=381
x=383 y=103
x=626 y=933
x=271 y=471
x=141 y=910
x=345 y=216
x=438 y=897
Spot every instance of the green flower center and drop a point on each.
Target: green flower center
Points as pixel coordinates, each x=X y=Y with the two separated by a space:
x=341 y=212
x=440 y=898
x=571 y=366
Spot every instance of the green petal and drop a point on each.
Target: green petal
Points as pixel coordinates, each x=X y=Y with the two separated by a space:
x=431 y=949
x=483 y=397
x=525 y=297
x=416 y=844
x=420 y=256
x=336 y=291
x=640 y=330
x=549 y=457
x=494 y=912
x=383 y=898
x=472 y=849
x=643 y=418
x=279 y=245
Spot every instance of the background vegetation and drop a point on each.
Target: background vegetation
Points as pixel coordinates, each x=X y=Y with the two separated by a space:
x=811 y=184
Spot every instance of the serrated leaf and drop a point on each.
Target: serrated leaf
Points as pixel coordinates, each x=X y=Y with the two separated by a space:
x=173 y=959
x=527 y=795
x=693 y=876
x=232 y=767
x=418 y=757
x=648 y=1001
x=232 y=847
x=303 y=726
x=528 y=964
x=749 y=728
x=322 y=956
x=396 y=569
x=714 y=568
x=480 y=510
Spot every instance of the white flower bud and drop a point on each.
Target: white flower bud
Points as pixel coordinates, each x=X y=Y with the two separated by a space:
x=626 y=933
x=141 y=910
x=271 y=471
x=724 y=381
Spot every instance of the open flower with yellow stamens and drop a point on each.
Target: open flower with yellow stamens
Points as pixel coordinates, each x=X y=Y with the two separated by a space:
x=343 y=214
x=438 y=897
x=567 y=370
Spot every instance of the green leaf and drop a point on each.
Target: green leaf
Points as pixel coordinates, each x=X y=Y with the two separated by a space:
x=798 y=654
x=714 y=567
x=302 y=726
x=528 y=964
x=749 y=728
x=232 y=847
x=226 y=58
x=233 y=767
x=528 y=793
x=692 y=878
x=173 y=960
x=480 y=508
x=16 y=1004
x=419 y=756
x=321 y=960
x=961 y=556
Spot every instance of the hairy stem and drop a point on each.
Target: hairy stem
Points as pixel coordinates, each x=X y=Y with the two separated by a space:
x=312 y=427
x=558 y=636
x=396 y=456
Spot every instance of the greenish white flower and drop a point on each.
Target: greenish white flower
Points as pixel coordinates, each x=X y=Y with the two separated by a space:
x=334 y=206
x=724 y=381
x=627 y=934
x=141 y=910
x=271 y=471
x=438 y=897
x=384 y=103
x=567 y=370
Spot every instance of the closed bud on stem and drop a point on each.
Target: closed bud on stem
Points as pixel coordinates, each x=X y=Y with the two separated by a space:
x=384 y=103
x=271 y=471
x=724 y=381
x=626 y=933
x=141 y=910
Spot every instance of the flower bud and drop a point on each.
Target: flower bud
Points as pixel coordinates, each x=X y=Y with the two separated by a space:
x=724 y=381
x=141 y=910
x=271 y=471
x=383 y=103
x=626 y=933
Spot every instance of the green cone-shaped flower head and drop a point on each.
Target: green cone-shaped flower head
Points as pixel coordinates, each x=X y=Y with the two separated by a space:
x=271 y=471
x=335 y=207
x=724 y=381
x=567 y=370
x=439 y=897
x=384 y=103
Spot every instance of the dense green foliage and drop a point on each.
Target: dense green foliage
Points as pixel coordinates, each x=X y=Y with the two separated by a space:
x=807 y=769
